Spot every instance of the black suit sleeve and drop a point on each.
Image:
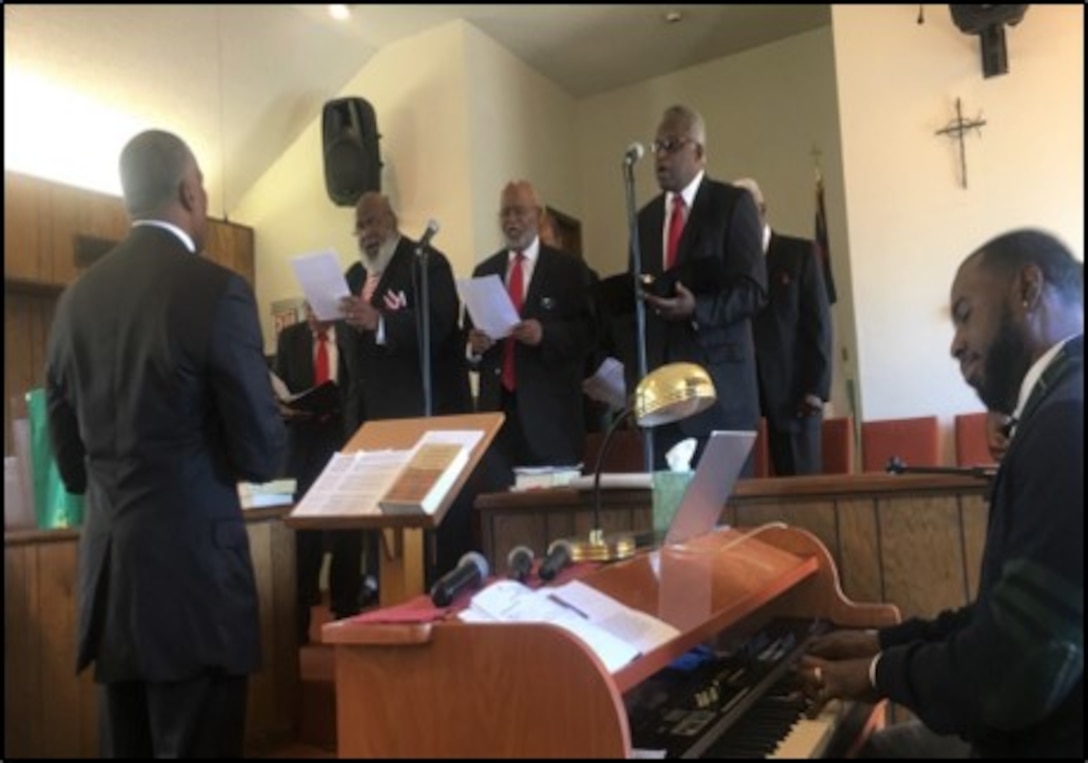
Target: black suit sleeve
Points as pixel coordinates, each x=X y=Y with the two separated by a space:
x=238 y=376
x=814 y=327
x=68 y=447
x=742 y=253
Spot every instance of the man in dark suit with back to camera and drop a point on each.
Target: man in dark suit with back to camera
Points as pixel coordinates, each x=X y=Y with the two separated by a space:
x=700 y=226
x=534 y=376
x=793 y=347
x=384 y=350
x=1005 y=672
x=308 y=353
x=159 y=402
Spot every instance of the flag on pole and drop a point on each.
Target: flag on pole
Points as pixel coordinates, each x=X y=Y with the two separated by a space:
x=823 y=248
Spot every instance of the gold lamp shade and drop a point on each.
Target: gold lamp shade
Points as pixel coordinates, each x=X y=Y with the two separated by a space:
x=667 y=394
x=671 y=393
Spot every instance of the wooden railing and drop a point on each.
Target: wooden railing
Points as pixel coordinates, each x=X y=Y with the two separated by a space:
x=49 y=711
x=911 y=540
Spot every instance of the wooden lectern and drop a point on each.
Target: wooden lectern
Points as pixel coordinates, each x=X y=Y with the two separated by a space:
x=456 y=689
x=402 y=557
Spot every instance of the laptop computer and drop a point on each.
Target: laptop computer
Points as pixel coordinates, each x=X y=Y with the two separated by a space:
x=715 y=477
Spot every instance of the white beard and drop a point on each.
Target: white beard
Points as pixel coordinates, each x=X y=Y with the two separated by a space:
x=378 y=263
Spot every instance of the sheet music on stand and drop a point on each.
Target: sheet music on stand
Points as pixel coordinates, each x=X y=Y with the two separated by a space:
x=354 y=484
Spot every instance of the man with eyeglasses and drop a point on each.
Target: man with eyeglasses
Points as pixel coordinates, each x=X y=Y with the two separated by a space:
x=703 y=238
x=534 y=376
x=382 y=353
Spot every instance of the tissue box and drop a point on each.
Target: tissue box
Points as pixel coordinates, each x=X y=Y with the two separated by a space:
x=668 y=490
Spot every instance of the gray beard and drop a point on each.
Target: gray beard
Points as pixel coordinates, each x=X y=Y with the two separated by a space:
x=379 y=262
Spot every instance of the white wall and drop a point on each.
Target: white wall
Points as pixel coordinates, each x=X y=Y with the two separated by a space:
x=765 y=111
x=521 y=126
x=419 y=92
x=910 y=221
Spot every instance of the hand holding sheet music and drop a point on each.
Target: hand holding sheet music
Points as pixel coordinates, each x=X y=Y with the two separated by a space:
x=322 y=282
x=607 y=384
x=488 y=304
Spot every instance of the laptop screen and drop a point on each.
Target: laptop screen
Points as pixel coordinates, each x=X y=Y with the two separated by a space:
x=715 y=477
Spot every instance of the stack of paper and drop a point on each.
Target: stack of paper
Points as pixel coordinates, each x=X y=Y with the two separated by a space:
x=274 y=493
x=613 y=631
x=541 y=477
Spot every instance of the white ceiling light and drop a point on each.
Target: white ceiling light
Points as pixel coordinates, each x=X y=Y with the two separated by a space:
x=340 y=12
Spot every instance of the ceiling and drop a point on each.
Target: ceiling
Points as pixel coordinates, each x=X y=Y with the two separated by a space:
x=240 y=83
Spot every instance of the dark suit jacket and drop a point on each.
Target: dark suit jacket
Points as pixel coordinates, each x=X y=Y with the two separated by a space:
x=310 y=441
x=1006 y=672
x=723 y=224
x=387 y=380
x=159 y=402
x=549 y=376
x=793 y=332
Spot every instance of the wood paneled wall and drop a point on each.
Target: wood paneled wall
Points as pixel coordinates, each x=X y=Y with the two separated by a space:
x=910 y=540
x=42 y=221
x=51 y=712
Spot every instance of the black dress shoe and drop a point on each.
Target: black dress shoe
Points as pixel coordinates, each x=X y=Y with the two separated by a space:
x=369 y=594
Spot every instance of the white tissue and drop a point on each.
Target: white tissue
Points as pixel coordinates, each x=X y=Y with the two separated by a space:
x=679 y=456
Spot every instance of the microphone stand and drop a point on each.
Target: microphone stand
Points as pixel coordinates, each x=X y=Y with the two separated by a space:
x=640 y=307
x=425 y=329
x=896 y=466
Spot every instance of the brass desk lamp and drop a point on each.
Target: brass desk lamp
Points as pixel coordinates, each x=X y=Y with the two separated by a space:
x=667 y=394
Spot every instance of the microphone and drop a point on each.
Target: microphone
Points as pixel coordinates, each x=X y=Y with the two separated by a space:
x=520 y=562
x=432 y=229
x=560 y=553
x=469 y=573
x=633 y=154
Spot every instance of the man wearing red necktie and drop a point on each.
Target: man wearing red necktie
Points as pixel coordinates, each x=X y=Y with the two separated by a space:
x=704 y=236
x=308 y=354
x=534 y=375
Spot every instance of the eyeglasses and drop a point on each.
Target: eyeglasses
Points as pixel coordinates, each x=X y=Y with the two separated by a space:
x=518 y=212
x=669 y=145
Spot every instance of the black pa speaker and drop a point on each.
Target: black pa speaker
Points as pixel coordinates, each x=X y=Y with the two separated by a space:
x=350 y=142
x=988 y=22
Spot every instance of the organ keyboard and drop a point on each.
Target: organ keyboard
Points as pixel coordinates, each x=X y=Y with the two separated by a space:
x=745 y=702
x=745 y=603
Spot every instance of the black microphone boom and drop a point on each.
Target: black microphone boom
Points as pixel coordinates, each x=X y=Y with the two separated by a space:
x=469 y=573
x=428 y=234
x=424 y=315
x=560 y=554
x=520 y=562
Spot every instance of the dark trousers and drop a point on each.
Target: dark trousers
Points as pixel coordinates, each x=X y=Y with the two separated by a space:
x=202 y=717
x=796 y=452
x=345 y=571
x=458 y=533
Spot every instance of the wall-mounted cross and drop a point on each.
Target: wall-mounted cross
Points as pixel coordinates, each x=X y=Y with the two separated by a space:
x=955 y=129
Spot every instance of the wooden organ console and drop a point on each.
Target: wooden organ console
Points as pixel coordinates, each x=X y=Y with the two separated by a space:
x=455 y=689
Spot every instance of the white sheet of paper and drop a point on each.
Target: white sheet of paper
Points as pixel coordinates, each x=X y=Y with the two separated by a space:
x=507 y=601
x=607 y=384
x=488 y=304
x=322 y=282
x=352 y=484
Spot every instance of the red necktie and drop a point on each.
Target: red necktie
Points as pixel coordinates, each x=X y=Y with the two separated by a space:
x=515 y=284
x=321 y=358
x=676 y=230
